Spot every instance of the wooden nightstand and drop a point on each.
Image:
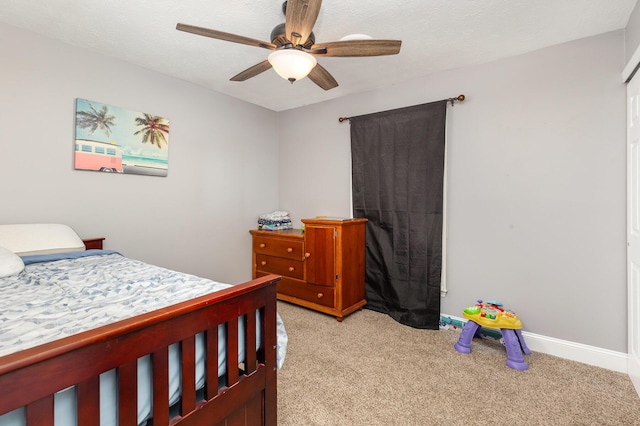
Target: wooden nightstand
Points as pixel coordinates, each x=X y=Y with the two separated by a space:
x=93 y=243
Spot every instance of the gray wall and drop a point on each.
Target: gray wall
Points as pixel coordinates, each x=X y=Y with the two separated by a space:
x=536 y=192
x=222 y=160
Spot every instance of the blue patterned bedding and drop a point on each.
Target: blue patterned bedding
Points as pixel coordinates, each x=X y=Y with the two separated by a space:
x=59 y=295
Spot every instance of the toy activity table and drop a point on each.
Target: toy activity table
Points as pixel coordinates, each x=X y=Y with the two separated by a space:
x=493 y=315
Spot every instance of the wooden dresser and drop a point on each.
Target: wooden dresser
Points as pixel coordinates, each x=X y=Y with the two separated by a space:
x=322 y=267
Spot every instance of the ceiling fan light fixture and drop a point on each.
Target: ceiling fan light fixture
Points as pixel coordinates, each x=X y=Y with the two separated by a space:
x=356 y=37
x=292 y=64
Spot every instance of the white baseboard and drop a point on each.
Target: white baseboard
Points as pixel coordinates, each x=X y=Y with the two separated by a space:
x=591 y=355
x=604 y=358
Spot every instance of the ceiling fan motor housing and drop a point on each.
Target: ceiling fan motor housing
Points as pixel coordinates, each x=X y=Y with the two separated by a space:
x=278 y=37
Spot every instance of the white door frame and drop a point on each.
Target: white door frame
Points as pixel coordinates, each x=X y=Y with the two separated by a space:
x=633 y=222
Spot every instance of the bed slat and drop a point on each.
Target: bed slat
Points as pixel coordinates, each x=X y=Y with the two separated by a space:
x=249 y=348
x=188 y=347
x=160 y=361
x=89 y=402
x=232 y=352
x=40 y=412
x=128 y=393
x=211 y=368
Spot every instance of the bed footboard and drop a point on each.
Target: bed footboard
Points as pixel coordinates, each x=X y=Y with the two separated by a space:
x=246 y=395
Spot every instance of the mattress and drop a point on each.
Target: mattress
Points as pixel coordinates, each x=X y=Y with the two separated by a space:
x=62 y=294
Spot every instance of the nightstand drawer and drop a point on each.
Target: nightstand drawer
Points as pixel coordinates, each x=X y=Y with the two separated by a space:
x=280 y=266
x=279 y=247
x=309 y=292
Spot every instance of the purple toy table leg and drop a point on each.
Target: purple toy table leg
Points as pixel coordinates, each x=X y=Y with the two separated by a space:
x=515 y=359
x=466 y=336
x=523 y=345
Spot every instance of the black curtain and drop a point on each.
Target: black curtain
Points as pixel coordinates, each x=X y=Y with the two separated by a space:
x=398 y=176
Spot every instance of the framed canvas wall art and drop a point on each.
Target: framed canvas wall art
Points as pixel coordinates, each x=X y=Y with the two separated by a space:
x=118 y=140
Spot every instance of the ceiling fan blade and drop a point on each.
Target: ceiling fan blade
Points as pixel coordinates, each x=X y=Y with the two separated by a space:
x=252 y=71
x=357 y=48
x=320 y=76
x=220 y=35
x=300 y=18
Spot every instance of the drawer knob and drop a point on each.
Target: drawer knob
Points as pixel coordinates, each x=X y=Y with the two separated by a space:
x=289 y=250
x=264 y=262
x=291 y=268
x=320 y=295
x=262 y=245
x=307 y=255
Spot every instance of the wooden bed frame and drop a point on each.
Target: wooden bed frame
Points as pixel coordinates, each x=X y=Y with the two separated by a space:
x=248 y=395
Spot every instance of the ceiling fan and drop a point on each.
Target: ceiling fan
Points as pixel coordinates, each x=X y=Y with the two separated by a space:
x=294 y=46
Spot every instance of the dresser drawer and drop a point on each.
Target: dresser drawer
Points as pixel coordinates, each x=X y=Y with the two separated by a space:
x=280 y=266
x=309 y=292
x=280 y=247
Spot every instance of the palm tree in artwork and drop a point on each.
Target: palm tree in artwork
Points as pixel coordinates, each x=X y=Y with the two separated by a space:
x=95 y=119
x=154 y=129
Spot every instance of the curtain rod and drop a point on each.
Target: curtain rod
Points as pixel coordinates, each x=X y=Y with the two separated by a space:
x=458 y=98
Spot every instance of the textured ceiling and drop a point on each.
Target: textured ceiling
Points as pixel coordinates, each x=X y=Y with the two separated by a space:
x=436 y=35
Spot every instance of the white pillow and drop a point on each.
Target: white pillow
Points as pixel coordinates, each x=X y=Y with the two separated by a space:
x=40 y=238
x=10 y=263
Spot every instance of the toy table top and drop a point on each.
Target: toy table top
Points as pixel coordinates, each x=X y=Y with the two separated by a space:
x=493 y=315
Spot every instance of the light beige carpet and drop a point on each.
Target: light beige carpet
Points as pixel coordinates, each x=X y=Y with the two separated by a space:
x=371 y=370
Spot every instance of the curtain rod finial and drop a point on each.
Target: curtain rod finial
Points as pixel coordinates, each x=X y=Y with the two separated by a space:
x=459 y=98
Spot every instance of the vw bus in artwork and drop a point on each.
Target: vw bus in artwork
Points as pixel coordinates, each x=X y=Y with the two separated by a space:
x=99 y=156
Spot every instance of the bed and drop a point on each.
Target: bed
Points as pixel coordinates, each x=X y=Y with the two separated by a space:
x=111 y=340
